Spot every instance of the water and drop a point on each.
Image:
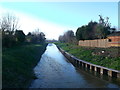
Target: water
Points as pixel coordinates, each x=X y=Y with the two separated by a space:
x=55 y=71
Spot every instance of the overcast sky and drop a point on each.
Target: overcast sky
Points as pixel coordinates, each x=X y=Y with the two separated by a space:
x=54 y=18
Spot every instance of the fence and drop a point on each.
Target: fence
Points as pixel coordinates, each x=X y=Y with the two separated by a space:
x=95 y=43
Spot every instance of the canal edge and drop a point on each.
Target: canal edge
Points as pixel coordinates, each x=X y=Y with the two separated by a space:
x=96 y=68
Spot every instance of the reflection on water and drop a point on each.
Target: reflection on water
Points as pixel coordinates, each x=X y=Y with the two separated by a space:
x=55 y=71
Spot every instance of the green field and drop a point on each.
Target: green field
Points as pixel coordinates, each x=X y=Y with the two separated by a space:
x=18 y=63
x=110 y=58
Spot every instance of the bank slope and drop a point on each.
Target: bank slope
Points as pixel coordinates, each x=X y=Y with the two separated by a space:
x=18 y=64
x=110 y=58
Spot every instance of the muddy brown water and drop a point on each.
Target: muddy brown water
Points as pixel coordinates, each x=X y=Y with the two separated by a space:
x=55 y=71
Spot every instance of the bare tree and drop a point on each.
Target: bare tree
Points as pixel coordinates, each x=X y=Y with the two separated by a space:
x=36 y=31
x=103 y=28
x=9 y=22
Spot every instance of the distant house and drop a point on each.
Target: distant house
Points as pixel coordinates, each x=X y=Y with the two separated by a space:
x=114 y=39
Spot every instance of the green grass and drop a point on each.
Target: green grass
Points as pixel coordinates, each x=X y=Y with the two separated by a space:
x=110 y=59
x=18 y=63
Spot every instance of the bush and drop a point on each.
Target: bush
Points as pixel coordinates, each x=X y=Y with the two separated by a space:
x=8 y=40
x=20 y=36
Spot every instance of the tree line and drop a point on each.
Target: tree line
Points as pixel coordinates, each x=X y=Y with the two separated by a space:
x=91 y=31
x=12 y=36
x=68 y=37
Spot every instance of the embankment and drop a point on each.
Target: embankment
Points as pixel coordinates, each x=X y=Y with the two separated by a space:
x=106 y=57
x=18 y=63
x=88 y=65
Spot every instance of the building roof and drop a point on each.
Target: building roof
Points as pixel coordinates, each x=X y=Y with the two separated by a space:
x=115 y=34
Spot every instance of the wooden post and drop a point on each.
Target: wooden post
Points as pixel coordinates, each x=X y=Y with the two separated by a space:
x=110 y=73
x=79 y=63
x=95 y=68
x=86 y=65
x=82 y=64
x=101 y=70
x=90 y=67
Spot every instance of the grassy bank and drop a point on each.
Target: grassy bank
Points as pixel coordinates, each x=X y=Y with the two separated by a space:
x=107 y=57
x=18 y=63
